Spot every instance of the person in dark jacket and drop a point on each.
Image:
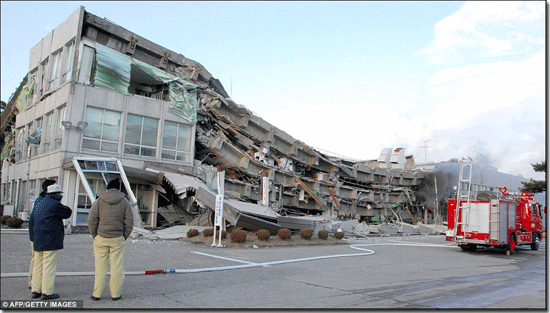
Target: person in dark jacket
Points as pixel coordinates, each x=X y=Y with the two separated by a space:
x=46 y=227
x=39 y=199
x=110 y=222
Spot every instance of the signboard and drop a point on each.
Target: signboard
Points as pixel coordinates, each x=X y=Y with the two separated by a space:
x=219 y=211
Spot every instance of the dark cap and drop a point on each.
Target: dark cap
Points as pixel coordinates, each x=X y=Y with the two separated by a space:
x=114 y=184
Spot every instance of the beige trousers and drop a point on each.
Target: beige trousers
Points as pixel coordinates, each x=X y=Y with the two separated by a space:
x=43 y=275
x=109 y=250
x=31 y=267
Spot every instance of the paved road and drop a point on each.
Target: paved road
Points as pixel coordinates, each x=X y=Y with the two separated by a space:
x=416 y=272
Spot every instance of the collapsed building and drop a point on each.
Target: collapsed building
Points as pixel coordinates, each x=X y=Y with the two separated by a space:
x=100 y=101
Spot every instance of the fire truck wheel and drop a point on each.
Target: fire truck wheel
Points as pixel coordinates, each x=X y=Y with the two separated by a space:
x=512 y=244
x=535 y=243
x=469 y=247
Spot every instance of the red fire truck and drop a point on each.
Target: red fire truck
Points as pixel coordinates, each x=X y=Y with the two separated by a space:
x=506 y=222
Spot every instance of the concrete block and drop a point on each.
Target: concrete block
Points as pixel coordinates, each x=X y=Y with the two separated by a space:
x=409 y=229
x=432 y=229
x=389 y=229
x=374 y=229
x=362 y=228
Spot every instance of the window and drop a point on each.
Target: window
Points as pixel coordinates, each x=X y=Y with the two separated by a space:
x=43 y=70
x=12 y=191
x=20 y=143
x=28 y=150
x=32 y=193
x=141 y=136
x=31 y=83
x=57 y=128
x=35 y=136
x=68 y=57
x=22 y=198
x=85 y=71
x=5 y=193
x=176 y=141
x=55 y=68
x=47 y=132
x=103 y=130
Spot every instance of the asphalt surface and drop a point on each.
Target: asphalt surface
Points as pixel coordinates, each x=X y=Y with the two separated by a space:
x=411 y=272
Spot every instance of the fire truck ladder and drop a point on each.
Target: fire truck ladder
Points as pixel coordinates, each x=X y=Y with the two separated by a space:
x=463 y=195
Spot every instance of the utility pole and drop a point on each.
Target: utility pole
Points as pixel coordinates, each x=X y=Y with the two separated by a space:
x=425 y=147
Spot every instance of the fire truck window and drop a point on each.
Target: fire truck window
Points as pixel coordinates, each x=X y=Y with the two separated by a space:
x=533 y=209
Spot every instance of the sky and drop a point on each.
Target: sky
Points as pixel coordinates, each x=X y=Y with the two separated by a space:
x=442 y=79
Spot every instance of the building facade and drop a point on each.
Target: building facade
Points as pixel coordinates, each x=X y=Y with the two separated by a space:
x=88 y=94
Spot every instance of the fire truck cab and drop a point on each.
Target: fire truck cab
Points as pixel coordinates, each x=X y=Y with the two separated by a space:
x=506 y=222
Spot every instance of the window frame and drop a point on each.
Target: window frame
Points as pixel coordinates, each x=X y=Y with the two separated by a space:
x=176 y=150
x=68 y=60
x=57 y=127
x=141 y=146
x=101 y=140
x=47 y=131
x=55 y=69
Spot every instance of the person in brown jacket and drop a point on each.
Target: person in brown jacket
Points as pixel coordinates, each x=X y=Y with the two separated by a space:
x=110 y=222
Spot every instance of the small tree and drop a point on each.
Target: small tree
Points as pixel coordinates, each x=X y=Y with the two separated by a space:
x=536 y=186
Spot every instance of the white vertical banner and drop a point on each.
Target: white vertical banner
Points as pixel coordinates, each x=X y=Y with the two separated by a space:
x=218 y=211
x=265 y=186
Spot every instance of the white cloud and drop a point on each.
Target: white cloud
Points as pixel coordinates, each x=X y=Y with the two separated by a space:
x=487 y=26
x=490 y=99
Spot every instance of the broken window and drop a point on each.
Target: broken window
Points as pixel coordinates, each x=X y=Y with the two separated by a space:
x=141 y=136
x=20 y=143
x=55 y=68
x=103 y=130
x=86 y=65
x=43 y=71
x=176 y=141
x=107 y=68
x=34 y=137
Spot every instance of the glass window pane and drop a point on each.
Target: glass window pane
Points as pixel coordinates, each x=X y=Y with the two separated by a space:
x=133 y=129
x=109 y=147
x=90 y=144
x=128 y=149
x=183 y=157
x=150 y=128
x=148 y=152
x=94 y=117
x=184 y=138
x=111 y=126
x=168 y=154
x=170 y=135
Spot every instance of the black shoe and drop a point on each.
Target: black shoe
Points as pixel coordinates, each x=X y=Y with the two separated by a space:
x=35 y=295
x=116 y=299
x=49 y=297
x=94 y=298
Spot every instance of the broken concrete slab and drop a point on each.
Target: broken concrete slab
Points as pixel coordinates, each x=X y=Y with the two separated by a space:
x=435 y=229
x=409 y=229
x=389 y=229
